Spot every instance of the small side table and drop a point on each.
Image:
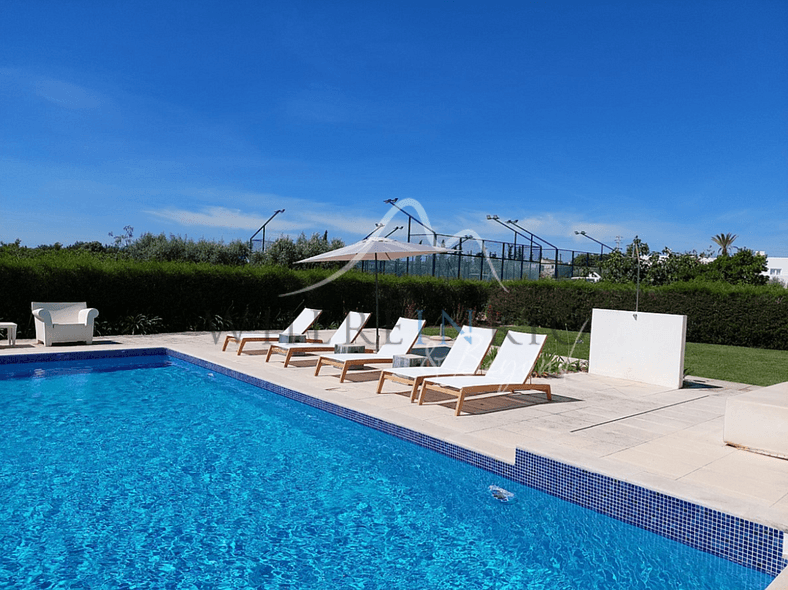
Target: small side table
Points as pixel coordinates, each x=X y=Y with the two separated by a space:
x=349 y=348
x=10 y=328
x=409 y=360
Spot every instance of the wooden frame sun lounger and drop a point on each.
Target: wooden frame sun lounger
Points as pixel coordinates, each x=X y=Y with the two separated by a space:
x=402 y=338
x=465 y=357
x=510 y=371
x=347 y=333
x=300 y=325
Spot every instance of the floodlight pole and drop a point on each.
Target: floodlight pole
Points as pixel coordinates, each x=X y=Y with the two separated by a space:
x=602 y=246
x=262 y=229
x=393 y=203
x=377 y=227
x=514 y=223
x=459 y=256
x=636 y=248
x=497 y=219
x=377 y=307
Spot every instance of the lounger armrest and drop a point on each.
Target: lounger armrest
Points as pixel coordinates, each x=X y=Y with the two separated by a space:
x=86 y=316
x=43 y=315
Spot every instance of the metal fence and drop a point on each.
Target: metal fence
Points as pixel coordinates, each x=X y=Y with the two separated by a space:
x=509 y=261
x=483 y=259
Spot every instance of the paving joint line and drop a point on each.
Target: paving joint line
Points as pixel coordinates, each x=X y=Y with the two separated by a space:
x=638 y=414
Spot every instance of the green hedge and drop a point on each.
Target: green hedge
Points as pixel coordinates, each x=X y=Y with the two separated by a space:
x=187 y=296
x=717 y=313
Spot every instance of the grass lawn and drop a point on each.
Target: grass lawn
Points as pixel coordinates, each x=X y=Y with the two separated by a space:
x=754 y=366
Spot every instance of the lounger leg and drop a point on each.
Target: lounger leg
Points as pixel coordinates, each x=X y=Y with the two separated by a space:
x=226 y=342
x=542 y=387
x=241 y=346
x=423 y=389
x=269 y=353
x=319 y=364
x=416 y=384
x=288 y=356
x=460 y=399
x=345 y=367
x=380 y=381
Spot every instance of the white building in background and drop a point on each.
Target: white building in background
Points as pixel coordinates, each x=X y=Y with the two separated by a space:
x=777 y=268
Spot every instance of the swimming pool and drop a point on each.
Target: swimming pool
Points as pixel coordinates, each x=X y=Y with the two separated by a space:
x=151 y=472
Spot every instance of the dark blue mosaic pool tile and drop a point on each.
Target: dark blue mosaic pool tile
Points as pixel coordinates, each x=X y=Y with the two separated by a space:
x=747 y=543
x=740 y=541
x=79 y=355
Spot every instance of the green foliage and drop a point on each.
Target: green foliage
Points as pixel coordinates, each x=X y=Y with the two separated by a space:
x=151 y=296
x=124 y=239
x=175 y=248
x=586 y=262
x=285 y=252
x=717 y=312
x=94 y=247
x=618 y=267
x=131 y=324
x=672 y=267
x=724 y=241
x=743 y=268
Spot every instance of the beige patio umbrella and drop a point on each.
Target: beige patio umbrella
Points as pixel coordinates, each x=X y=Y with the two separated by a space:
x=376 y=249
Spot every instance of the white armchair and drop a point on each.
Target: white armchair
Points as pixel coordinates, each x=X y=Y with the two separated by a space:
x=63 y=322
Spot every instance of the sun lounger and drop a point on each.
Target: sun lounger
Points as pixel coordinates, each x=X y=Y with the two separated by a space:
x=347 y=332
x=300 y=325
x=510 y=371
x=402 y=338
x=464 y=358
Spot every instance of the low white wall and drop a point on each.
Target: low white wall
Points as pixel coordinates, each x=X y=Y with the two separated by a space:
x=646 y=347
x=758 y=420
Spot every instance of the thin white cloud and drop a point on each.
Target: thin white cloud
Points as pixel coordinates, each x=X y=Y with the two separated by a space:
x=211 y=217
x=314 y=218
x=66 y=94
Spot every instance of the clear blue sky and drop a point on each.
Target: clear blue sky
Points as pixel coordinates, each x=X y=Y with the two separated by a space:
x=666 y=119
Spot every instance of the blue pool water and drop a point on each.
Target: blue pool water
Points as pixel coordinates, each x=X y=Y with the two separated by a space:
x=164 y=475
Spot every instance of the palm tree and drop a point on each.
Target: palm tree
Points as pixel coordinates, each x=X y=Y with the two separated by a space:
x=724 y=241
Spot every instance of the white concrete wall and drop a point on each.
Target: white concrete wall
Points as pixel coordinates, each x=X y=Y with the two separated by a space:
x=758 y=420
x=777 y=268
x=646 y=347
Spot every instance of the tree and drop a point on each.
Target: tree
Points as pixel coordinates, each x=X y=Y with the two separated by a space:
x=743 y=268
x=623 y=267
x=724 y=241
x=285 y=252
x=672 y=267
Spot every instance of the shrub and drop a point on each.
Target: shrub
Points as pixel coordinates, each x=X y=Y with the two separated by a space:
x=153 y=296
x=717 y=313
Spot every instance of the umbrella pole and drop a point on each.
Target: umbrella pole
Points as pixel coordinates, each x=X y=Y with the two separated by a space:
x=377 y=308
